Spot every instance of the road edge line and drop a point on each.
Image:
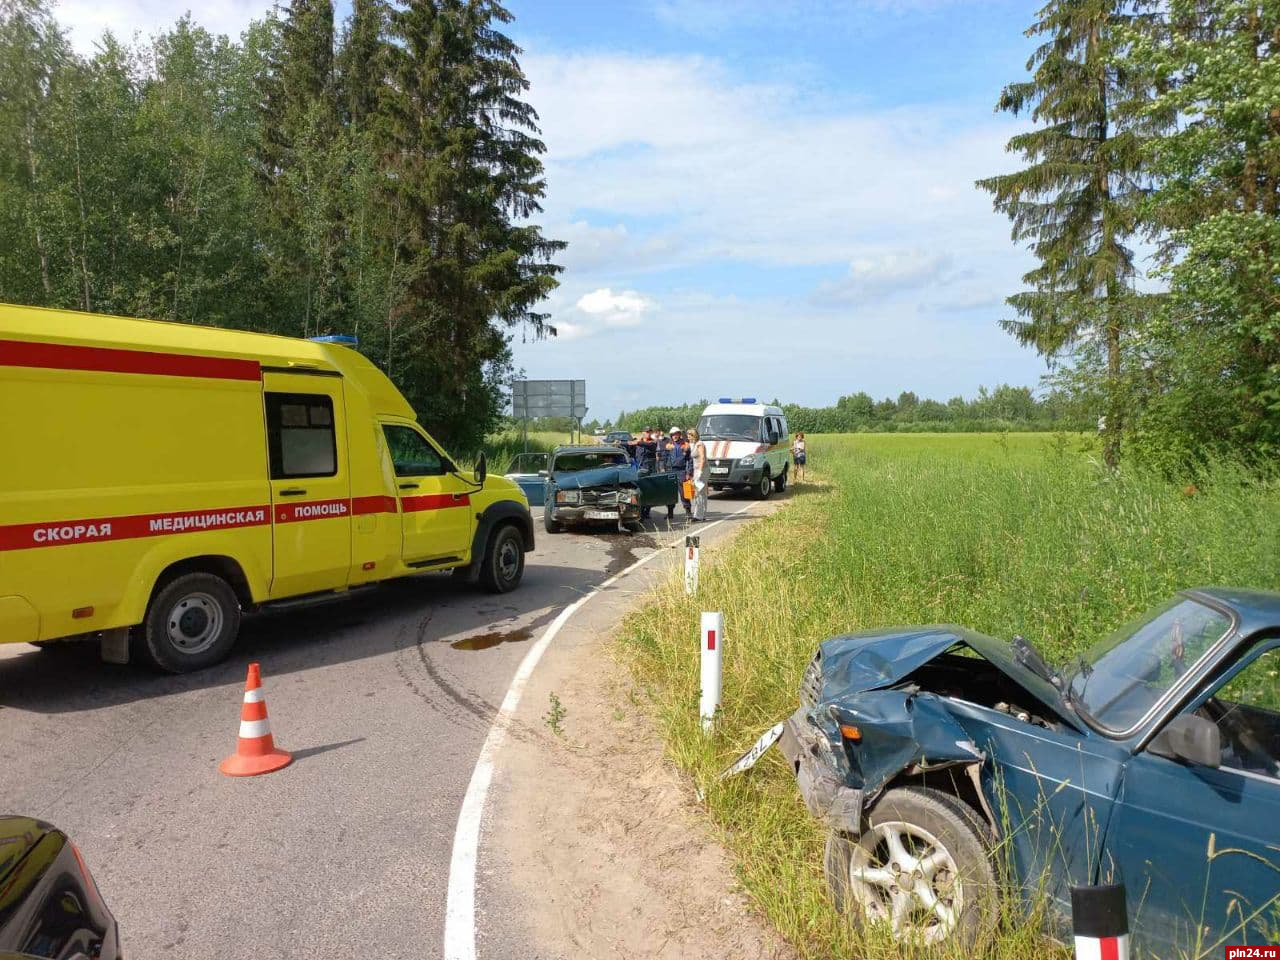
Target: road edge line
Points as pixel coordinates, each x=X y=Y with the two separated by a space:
x=460 y=902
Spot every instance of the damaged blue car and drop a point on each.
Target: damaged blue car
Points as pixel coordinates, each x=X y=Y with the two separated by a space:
x=595 y=482
x=950 y=766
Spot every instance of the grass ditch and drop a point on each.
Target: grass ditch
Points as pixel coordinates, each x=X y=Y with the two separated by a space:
x=1019 y=533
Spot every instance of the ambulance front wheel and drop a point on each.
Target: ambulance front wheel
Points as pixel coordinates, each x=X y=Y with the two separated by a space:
x=504 y=561
x=192 y=623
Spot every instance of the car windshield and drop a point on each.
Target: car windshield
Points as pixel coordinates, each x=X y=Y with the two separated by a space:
x=569 y=462
x=729 y=426
x=1123 y=677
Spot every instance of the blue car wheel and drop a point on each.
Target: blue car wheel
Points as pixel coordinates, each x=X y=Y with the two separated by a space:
x=922 y=865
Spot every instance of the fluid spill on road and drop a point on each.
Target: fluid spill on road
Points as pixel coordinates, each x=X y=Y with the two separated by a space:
x=622 y=552
x=483 y=641
x=492 y=638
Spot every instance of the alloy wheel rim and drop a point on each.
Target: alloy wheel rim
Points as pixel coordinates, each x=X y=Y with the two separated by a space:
x=194 y=623
x=901 y=874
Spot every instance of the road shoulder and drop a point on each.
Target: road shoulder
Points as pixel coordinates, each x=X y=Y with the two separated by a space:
x=595 y=841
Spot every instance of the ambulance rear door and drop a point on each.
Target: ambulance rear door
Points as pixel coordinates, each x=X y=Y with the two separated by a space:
x=310 y=482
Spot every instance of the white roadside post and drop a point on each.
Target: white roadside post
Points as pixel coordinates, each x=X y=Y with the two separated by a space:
x=692 y=550
x=712 y=659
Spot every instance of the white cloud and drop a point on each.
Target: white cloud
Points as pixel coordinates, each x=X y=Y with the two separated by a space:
x=723 y=168
x=886 y=274
x=624 y=309
x=86 y=20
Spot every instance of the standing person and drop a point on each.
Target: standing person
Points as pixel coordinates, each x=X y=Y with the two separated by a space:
x=646 y=455
x=701 y=469
x=800 y=454
x=676 y=459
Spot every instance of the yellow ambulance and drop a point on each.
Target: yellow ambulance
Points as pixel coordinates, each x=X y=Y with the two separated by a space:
x=159 y=479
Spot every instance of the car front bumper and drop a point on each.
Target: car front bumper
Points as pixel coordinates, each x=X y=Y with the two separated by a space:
x=735 y=474
x=587 y=513
x=828 y=798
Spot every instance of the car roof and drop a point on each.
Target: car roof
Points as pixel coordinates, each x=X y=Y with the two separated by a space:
x=1254 y=609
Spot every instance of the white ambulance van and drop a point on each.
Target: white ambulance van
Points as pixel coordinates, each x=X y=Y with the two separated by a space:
x=747 y=445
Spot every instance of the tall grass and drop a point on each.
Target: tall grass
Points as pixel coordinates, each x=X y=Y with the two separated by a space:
x=1007 y=534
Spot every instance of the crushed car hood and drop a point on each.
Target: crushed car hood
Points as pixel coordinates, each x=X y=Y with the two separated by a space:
x=612 y=476
x=859 y=662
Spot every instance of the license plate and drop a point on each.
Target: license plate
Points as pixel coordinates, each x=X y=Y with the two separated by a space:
x=601 y=514
x=719 y=469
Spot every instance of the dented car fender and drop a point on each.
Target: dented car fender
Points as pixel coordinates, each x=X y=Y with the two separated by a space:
x=901 y=732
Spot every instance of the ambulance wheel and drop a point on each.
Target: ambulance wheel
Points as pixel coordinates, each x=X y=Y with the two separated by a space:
x=764 y=487
x=780 y=485
x=504 y=561
x=191 y=624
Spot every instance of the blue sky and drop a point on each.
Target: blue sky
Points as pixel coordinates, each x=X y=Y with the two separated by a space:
x=760 y=198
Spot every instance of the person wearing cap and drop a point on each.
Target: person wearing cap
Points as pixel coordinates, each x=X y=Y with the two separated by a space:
x=674 y=458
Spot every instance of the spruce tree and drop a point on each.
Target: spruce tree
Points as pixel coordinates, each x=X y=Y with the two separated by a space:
x=1077 y=200
x=467 y=177
x=300 y=169
x=362 y=62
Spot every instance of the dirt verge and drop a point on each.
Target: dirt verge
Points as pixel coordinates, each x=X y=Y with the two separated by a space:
x=600 y=839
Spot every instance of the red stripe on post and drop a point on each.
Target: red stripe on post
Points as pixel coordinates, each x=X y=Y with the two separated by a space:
x=64 y=356
x=1109 y=948
x=711 y=639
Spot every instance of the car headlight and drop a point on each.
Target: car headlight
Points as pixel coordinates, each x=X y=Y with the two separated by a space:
x=747 y=461
x=634 y=498
x=568 y=496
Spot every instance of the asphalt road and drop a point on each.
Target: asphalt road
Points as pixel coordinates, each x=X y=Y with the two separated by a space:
x=384 y=698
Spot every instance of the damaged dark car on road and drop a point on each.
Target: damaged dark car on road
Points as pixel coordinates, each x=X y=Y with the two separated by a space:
x=595 y=482
x=949 y=765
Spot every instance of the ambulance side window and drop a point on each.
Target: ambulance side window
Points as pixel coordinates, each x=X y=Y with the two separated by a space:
x=300 y=436
x=411 y=455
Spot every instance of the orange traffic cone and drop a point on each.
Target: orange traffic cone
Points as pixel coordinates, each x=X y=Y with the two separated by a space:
x=255 y=750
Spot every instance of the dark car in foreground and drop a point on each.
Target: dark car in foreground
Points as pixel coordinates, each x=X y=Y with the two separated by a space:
x=49 y=903
x=948 y=765
x=595 y=482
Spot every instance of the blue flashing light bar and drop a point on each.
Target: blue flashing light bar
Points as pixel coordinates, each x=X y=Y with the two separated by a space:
x=737 y=400
x=343 y=339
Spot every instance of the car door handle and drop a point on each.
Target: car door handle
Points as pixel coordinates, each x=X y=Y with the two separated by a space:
x=408 y=486
x=292 y=492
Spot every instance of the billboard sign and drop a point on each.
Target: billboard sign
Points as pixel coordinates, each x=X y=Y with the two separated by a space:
x=534 y=399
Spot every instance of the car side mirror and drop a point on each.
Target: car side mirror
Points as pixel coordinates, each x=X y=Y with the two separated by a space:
x=482 y=468
x=773 y=437
x=1190 y=738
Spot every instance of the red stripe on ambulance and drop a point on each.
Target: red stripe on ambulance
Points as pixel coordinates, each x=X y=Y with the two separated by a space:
x=64 y=356
x=62 y=533
x=312 y=510
x=58 y=533
x=364 y=505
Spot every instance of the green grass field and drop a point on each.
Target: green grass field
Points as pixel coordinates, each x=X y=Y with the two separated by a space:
x=1018 y=533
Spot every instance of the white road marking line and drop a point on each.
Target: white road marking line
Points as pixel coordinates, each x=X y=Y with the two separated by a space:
x=460 y=906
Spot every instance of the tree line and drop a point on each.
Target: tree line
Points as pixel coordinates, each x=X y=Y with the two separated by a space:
x=375 y=178
x=1003 y=408
x=1156 y=125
